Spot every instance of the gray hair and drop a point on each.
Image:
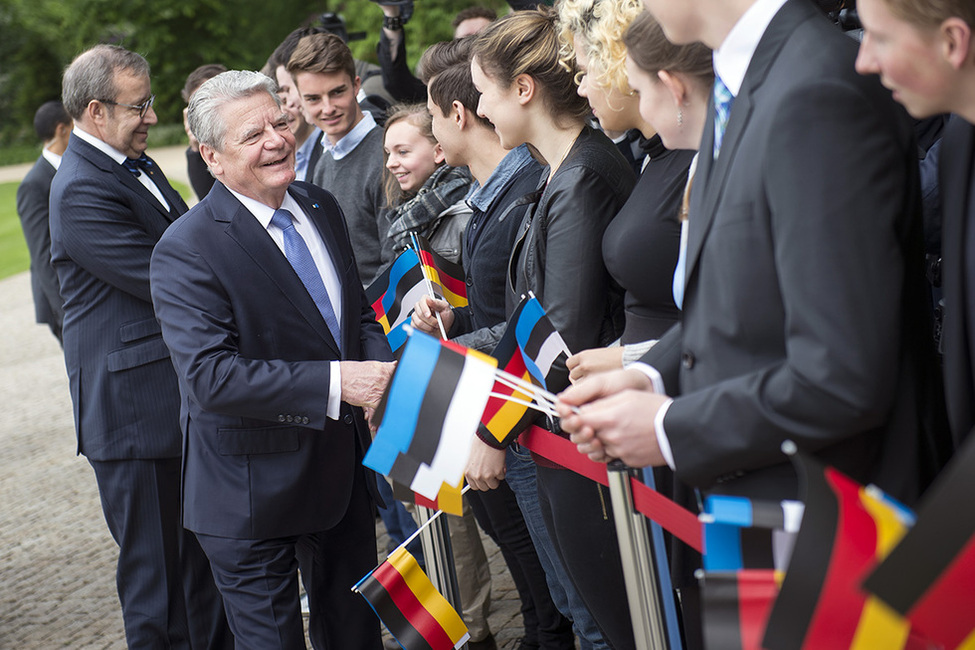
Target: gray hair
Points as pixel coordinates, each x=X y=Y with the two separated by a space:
x=91 y=76
x=204 y=116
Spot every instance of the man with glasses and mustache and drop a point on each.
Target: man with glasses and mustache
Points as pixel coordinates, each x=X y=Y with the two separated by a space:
x=110 y=203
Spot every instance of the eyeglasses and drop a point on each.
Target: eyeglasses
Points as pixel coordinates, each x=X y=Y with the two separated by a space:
x=143 y=108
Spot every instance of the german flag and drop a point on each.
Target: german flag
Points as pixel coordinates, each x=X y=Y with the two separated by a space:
x=736 y=606
x=394 y=293
x=930 y=577
x=446 y=276
x=449 y=499
x=429 y=414
x=846 y=530
x=407 y=603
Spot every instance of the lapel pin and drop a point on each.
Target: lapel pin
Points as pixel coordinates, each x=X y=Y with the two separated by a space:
x=314 y=205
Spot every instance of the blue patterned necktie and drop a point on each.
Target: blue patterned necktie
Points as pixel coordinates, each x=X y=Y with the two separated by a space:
x=723 y=99
x=135 y=164
x=296 y=250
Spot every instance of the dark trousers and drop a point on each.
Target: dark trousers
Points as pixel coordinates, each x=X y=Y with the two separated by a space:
x=579 y=516
x=258 y=579
x=498 y=514
x=164 y=582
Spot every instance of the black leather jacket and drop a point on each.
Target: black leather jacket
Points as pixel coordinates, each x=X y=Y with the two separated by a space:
x=558 y=255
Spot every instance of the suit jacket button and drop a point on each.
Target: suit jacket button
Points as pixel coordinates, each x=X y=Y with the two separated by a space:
x=280 y=418
x=289 y=418
x=470 y=281
x=687 y=360
x=304 y=420
x=347 y=419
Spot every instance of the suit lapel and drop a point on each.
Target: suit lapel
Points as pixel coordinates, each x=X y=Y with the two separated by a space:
x=244 y=229
x=712 y=175
x=177 y=206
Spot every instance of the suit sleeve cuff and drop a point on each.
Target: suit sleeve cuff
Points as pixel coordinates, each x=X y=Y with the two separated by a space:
x=652 y=374
x=662 y=441
x=334 y=404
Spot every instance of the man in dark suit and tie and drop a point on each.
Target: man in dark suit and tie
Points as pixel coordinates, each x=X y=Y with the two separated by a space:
x=109 y=206
x=275 y=347
x=53 y=127
x=925 y=52
x=805 y=304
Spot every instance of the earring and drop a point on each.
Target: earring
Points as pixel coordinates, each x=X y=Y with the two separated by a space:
x=680 y=116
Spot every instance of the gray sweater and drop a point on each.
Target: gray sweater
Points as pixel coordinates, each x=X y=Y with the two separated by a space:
x=357 y=183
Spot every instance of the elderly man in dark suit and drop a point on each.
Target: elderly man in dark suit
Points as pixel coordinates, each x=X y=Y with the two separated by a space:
x=53 y=127
x=805 y=302
x=109 y=206
x=925 y=52
x=276 y=348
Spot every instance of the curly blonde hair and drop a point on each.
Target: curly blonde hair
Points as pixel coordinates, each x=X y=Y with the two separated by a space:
x=601 y=25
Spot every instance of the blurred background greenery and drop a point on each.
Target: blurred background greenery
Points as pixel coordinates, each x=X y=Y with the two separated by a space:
x=38 y=38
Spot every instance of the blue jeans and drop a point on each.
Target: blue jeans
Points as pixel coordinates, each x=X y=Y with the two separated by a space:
x=398 y=522
x=520 y=475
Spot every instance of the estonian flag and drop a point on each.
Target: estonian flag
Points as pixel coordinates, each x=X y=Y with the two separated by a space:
x=930 y=576
x=541 y=345
x=394 y=293
x=846 y=530
x=738 y=532
x=410 y=607
x=429 y=414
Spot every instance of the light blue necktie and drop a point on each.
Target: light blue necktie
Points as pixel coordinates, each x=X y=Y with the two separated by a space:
x=296 y=250
x=723 y=99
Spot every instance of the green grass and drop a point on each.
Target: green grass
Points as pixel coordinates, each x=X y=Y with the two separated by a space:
x=14 y=257
x=13 y=249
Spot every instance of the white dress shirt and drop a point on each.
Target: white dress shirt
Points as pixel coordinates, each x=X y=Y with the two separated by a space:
x=120 y=157
x=326 y=268
x=52 y=158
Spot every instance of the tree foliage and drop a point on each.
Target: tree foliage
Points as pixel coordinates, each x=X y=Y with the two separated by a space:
x=38 y=38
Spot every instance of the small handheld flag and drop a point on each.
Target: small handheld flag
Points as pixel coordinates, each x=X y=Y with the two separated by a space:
x=410 y=607
x=394 y=293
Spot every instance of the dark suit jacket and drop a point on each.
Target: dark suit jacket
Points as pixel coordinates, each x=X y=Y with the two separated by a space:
x=104 y=223
x=956 y=166
x=252 y=353
x=33 y=194
x=805 y=302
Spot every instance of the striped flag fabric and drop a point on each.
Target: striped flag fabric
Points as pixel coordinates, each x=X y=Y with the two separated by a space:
x=736 y=606
x=528 y=350
x=929 y=578
x=447 y=277
x=410 y=607
x=449 y=499
x=846 y=530
x=429 y=414
x=738 y=532
x=541 y=344
x=394 y=293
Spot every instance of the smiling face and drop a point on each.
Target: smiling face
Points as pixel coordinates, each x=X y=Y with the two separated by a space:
x=448 y=135
x=411 y=157
x=257 y=158
x=121 y=127
x=907 y=58
x=329 y=99
x=615 y=110
x=500 y=106
x=290 y=101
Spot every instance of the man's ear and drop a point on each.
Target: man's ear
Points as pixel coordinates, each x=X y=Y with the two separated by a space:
x=438 y=156
x=211 y=158
x=459 y=115
x=96 y=112
x=956 y=38
x=525 y=86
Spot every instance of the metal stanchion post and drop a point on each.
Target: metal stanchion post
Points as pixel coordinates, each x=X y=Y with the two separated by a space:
x=439 y=557
x=639 y=564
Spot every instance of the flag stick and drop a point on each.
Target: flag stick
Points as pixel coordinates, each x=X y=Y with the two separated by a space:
x=531 y=405
x=409 y=539
x=423 y=268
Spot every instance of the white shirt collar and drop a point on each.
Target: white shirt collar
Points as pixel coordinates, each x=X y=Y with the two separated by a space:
x=102 y=146
x=51 y=157
x=732 y=58
x=350 y=140
x=263 y=213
